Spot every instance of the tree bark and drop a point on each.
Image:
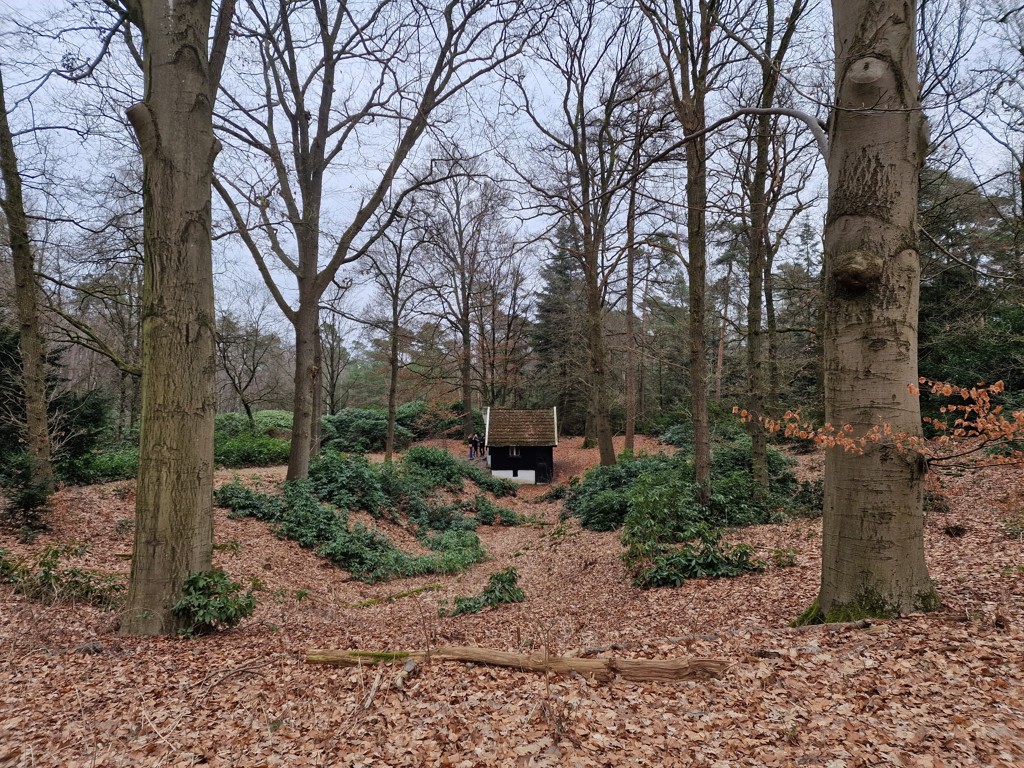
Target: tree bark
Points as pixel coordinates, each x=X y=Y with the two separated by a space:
x=26 y=291
x=599 y=408
x=173 y=124
x=772 y=328
x=721 y=333
x=873 y=551
x=630 y=319
x=389 y=442
x=305 y=414
x=759 y=242
x=696 y=271
x=466 y=367
x=756 y=263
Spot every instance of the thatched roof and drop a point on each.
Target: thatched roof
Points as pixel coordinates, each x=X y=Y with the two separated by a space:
x=522 y=427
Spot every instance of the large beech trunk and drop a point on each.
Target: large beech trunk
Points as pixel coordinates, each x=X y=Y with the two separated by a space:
x=174 y=516
x=26 y=292
x=873 y=551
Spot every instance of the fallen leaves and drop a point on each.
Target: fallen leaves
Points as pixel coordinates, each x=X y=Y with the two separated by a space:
x=937 y=690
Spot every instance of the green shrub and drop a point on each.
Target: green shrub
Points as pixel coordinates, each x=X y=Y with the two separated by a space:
x=243 y=502
x=484 y=480
x=49 y=580
x=231 y=424
x=305 y=520
x=556 y=493
x=248 y=450
x=734 y=495
x=436 y=467
x=361 y=430
x=670 y=537
x=783 y=558
x=489 y=513
x=705 y=558
x=103 y=465
x=809 y=500
x=265 y=423
x=26 y=500
x=366 y=553
x=502 y=589
x=273 y=423
x=601 y=501
x=347 y=481
x=680 y=435
x=210 y=600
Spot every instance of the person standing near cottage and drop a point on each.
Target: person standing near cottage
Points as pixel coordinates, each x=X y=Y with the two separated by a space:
x=474 y=445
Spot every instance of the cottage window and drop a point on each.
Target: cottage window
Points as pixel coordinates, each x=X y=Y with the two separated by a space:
x=513 y=451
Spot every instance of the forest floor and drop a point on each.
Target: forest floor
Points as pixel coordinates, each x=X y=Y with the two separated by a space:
x=944 y=689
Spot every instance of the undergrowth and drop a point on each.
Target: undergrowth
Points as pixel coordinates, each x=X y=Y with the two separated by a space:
x=502 y=588
x=50 y=580
x=367 y=553
x=668 y=534
x=210 y=600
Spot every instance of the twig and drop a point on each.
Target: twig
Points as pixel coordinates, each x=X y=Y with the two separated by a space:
x=249 y=668
x=373 y=689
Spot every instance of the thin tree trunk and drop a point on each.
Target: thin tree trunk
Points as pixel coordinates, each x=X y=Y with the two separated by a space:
x=873 y=550
x=721 y=335
x=307 y=379
x=389 y=442
x=772 y=327
x=26 y=291
x=756 y=379
x=466 y=373
x=696 y=268
x=601 y=420
x=630 y=320
x=174 y=516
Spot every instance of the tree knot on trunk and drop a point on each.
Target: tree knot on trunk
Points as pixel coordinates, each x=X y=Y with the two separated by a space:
x=868 y=70
x=890 y=450
x=857 y=270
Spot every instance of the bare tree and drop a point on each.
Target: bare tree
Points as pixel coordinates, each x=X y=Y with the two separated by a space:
x=465 y=236
x=588 y=161
x=327 y=84
x=394 y=266
x=250 y=353
x=502 y=315
x=691 y=50
x=26 y=290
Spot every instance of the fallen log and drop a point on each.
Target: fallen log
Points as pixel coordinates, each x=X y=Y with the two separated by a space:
x=639 y=670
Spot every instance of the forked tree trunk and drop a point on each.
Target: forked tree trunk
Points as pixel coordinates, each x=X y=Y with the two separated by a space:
x=26 y=291
x=174 y=516
x=873 y=552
